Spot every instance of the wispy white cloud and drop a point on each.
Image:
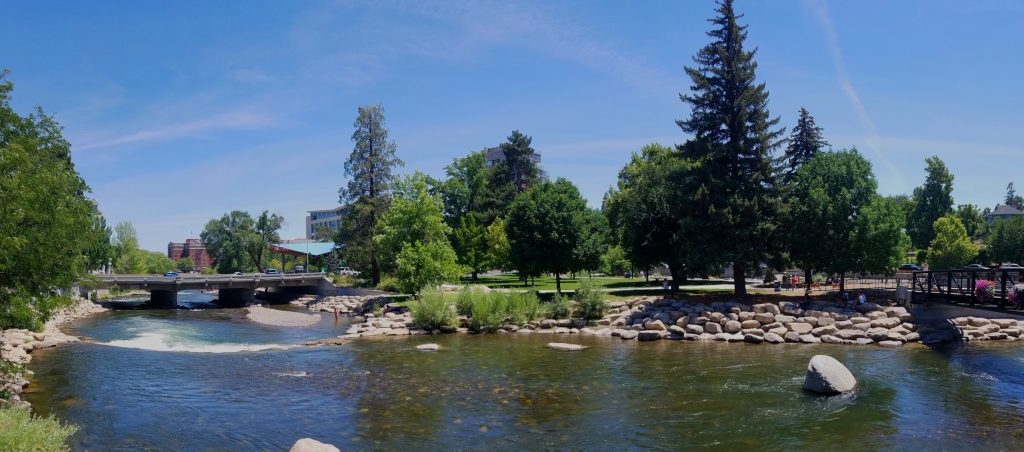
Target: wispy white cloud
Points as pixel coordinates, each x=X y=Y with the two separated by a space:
x=230 y=120
x=872 y=139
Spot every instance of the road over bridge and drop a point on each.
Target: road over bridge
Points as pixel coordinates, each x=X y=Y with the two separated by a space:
x=233 y=290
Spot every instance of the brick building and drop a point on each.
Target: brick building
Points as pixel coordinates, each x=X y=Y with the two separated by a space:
x=192 y=249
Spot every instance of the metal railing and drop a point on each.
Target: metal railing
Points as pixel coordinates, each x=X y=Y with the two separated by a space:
x=959 y=285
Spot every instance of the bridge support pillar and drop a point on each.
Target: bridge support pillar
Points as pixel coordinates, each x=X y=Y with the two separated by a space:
x=235 y=297
x=164 y=299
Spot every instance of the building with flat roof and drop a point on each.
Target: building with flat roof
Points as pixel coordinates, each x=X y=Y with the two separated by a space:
x=192 y=249
x=494 y=156
x=329 y=219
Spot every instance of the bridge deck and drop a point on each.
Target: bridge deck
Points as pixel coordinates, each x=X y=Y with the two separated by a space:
x=207 y=282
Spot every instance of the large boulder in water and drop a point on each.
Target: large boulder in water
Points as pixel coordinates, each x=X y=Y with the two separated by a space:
x=312 y=445
x=826 y=375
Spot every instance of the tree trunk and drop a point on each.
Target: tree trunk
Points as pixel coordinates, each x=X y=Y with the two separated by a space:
x=842 y=282
x=739 y=277
x=677 y=275
x=808 y=277
x=558 y=282
x=474 y=275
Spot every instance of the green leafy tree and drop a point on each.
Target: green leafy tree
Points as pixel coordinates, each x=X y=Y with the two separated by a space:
x=263 y=235
x=185 y=264
x=129 y=258
x=465 y=190
x=470 y=242
x=805 y=142
x=100 y=251
x=830 y=191
x=1007 y=240
x=228 y=240
x=1012 y=198
x=593 y=241
x=45 y=216
x=422 y=264
x=881 y=242
x=951 y=248
x=498 y=247
x=732 y=179
x=646 y=211
x=615 y=261
x=544 y=226
x=932 y=201
x=973 y=221
x=370 y=169
x=414 y=235
x=157 y=263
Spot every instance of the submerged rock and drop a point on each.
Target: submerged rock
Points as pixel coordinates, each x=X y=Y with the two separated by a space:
x=428 y=347
x=564 y=346
x=826 y=375
x=312 y=445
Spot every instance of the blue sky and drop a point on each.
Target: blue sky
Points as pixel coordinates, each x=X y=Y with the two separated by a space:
x=181 y=111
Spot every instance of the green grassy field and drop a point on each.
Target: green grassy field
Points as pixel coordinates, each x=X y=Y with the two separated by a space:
x=548 y=282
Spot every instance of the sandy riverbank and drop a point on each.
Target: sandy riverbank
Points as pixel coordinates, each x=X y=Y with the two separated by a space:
x=276 y=317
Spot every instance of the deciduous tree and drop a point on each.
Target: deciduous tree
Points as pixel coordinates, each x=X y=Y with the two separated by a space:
x=128 y=257
x=1007 y=240
x=469 y=240
x=932 y=200
x=951 y=248
x=543 y=228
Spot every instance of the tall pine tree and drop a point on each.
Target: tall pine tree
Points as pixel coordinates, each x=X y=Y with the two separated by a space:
x=733 y=180
x=519 y=170
x=370 y=169
x=805 y=142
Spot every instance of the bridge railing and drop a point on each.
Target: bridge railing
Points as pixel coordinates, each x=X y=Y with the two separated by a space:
x=959 y=285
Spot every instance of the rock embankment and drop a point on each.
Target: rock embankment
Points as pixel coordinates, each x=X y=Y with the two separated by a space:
x=345 y=304
x=17 y=344
x=968 y=329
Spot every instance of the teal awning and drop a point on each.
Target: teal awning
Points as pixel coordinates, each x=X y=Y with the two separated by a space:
x=301 y=249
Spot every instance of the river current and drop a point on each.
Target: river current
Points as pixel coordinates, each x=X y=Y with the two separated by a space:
x=209 y=379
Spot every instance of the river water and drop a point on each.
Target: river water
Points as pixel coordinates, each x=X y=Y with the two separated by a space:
x=212 y=380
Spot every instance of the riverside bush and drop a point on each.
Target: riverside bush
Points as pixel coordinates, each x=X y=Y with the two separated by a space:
x=590 y=303
x=466 y=298
x=489 y=311
x=523 y=307
x=558 y=308
x=20 y=431
x=432 y=311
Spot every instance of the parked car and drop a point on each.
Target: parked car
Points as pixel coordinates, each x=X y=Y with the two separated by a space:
x=345 y=271
x=975 y=267
x=171 y=274
x=237 y=273
x=273 y=271
x=910 y=268
x=1009 y=266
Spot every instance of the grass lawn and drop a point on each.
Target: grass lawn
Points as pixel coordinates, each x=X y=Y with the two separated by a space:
x=511 y=281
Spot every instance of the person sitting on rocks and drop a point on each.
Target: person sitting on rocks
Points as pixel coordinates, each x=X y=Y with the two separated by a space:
x=862 y=298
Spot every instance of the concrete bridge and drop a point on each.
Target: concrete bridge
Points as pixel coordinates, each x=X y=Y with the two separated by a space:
x=233 y=290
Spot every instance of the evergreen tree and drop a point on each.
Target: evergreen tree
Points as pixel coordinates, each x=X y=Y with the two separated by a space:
x=805 y=142
x=932 y=201
x=732 y=181
x=1012 y=198
x=370 y=169
x=518 y=170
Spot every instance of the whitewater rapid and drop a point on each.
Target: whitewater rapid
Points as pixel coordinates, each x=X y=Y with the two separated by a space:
x=163 y=342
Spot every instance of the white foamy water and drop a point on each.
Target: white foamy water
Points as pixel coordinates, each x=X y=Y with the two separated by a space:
x=161 y=342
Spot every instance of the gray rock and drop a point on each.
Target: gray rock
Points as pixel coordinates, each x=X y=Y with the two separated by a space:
x=654 y=325
x=809 y=339
x=649 y=335
x=765 y=317
x=753 y=338
x=712 y=328
x=792 y=337
x=564 y=346
x=830 y=339
x=773 y=338
x=888 y=322
x=822 y=330
x=627 y=335
x=548 y=323
x=694 y=329
x=800 y=327
x=733 y=326
x=312 y=445
x=850 y=334
x=428 y=347
x=890 y=344
x=826 y=375
x=722 y=336
x=978 y=321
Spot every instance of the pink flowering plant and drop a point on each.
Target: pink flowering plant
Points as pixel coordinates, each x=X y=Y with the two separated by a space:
x=985 y=290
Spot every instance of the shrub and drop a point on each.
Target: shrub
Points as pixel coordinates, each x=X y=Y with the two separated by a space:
x=489 y=312
x=466 y=298
x=769 y=278
x=20 y=431
x=432 y=312
x=419 y=265
x=523 y=307
x=388 y=284
x=558 y=308
x=590 y=303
